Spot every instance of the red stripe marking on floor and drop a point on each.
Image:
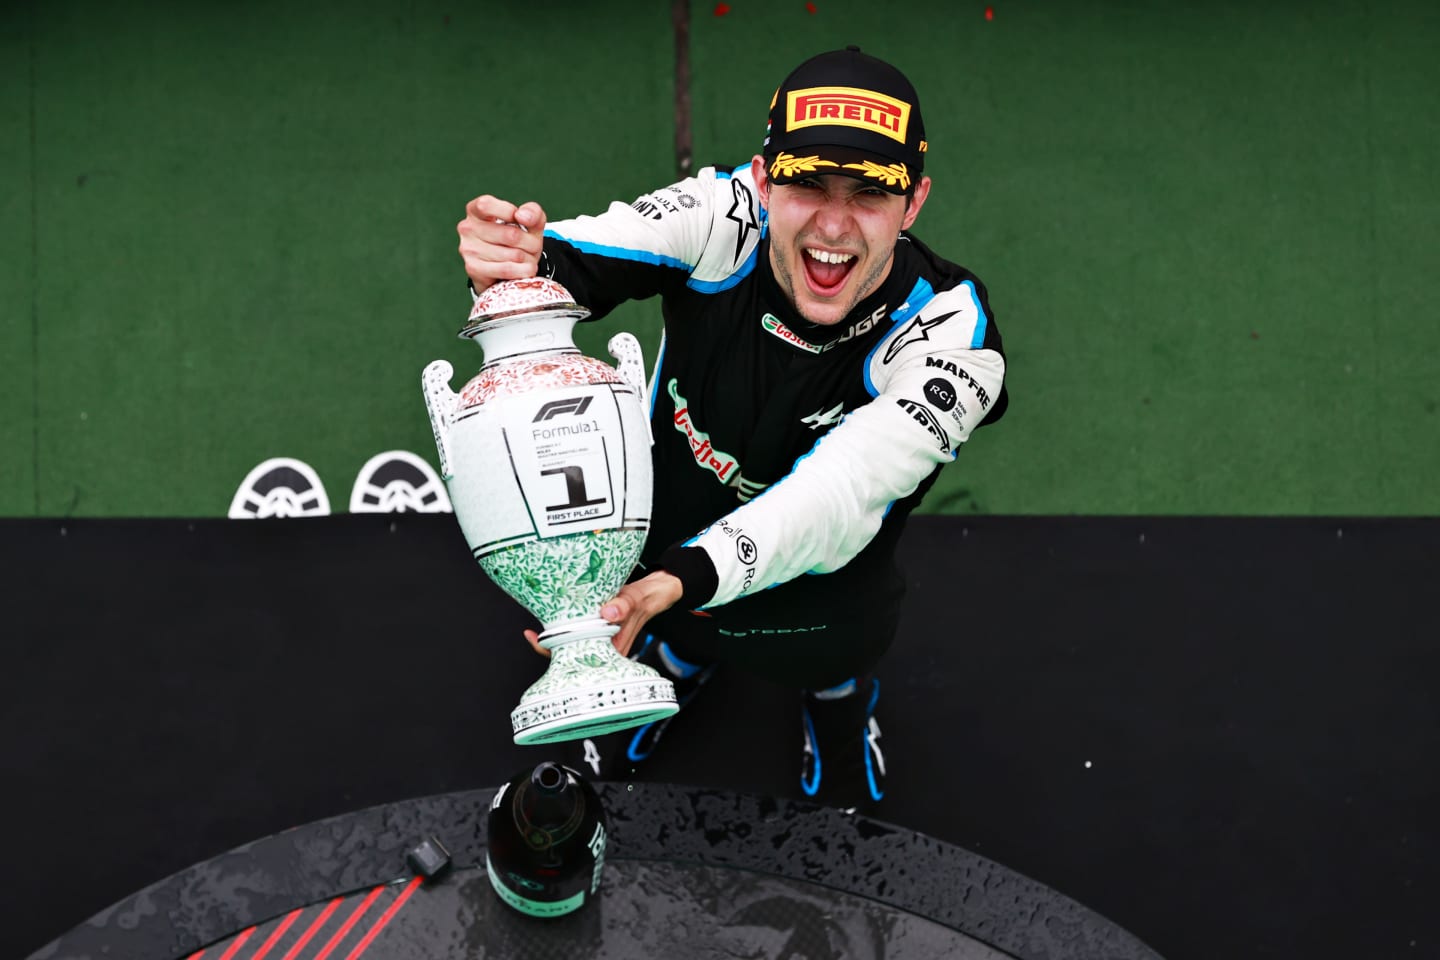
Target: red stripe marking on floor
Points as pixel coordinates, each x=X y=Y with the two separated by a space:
x=349 y=923
x=239 y=942
x=197 y=954
x=279 y=932
x=315 y=925
x=394 y=908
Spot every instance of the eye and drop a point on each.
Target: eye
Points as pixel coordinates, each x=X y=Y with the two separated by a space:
x=809 y=183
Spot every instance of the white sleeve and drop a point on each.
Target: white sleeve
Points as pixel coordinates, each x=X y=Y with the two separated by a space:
x=706 y=226
x=932 y=385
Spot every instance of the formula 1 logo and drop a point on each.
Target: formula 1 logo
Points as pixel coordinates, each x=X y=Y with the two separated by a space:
x=559 y=408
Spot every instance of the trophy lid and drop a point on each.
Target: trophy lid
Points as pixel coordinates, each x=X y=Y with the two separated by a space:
x=517 y=298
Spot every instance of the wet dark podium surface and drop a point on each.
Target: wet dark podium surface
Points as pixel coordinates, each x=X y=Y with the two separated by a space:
x=1204 y=729
x=692 y=872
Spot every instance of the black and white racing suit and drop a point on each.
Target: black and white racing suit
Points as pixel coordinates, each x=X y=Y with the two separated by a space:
x=787 y=455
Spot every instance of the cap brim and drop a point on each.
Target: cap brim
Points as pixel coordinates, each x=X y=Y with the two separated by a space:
x=810 y=161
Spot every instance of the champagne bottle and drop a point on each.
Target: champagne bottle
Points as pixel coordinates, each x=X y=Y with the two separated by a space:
x=546 y=841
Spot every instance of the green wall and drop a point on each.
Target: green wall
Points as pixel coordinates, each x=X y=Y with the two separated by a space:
x=1210 y=230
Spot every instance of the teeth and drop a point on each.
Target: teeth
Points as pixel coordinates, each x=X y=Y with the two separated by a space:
x=825 y=256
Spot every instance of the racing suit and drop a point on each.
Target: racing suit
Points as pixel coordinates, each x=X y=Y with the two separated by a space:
x=787 y=455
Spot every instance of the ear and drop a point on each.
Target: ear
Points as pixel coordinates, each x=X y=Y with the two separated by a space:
x=916 y=201
x=762 y=179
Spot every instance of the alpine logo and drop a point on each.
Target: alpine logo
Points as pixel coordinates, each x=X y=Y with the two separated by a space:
x=824 y=418
x=926 y=419
x=558 y=408
x=917 y=330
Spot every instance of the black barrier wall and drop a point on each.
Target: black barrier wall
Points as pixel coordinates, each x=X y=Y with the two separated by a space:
x=1217 y=733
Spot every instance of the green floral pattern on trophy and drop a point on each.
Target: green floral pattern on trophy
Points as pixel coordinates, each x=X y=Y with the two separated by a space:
x=566 y=578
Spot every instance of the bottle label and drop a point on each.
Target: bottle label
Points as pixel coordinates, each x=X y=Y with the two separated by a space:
x=534 y=908
x=597 y=850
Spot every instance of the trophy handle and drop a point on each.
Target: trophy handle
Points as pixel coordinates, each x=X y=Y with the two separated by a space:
x=440 y=402
x=630 y=362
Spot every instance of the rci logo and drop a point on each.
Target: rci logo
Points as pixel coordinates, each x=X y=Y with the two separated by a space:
x=557 y=408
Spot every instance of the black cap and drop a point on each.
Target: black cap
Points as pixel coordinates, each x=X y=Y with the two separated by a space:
x=848 y=113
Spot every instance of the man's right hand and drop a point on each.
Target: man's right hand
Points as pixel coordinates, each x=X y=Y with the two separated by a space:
x=500 y=241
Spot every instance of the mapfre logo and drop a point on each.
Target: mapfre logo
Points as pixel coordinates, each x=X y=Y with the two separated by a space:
x=847 y=107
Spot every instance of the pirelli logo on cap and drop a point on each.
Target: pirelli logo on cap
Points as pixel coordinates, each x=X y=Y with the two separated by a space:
x=847 y=107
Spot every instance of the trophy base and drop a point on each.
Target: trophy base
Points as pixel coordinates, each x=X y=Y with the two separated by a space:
x=589 y=690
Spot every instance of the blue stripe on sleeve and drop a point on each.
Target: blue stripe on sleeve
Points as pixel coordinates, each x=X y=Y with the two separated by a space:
x=717 y=286
x=920 y=294
x=620 y=253
x=977 y=340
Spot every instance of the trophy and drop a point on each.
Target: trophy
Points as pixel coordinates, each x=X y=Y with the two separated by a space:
x=546 y=454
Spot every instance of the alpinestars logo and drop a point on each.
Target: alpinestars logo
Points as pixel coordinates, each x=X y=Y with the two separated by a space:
x=742 y=212
x=917 y=330
x=824 y=418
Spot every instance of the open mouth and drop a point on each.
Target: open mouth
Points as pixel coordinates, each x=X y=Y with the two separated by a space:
x=826 y=271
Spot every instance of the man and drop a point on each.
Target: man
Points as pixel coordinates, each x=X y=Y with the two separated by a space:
x=819 y=365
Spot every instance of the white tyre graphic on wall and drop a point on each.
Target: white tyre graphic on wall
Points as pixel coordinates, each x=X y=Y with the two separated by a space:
x=398 y=481
x=280 y=487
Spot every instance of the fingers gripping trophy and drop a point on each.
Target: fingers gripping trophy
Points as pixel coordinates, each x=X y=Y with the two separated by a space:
x=546 y=454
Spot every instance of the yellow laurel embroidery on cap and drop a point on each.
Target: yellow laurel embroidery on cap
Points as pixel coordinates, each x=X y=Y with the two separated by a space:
x=891 y=173
x=923 y=145
x=788 y=165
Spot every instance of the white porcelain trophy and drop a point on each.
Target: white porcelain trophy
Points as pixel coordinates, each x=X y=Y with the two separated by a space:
x=546 y=453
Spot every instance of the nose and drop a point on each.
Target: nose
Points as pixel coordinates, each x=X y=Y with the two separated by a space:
x=833 y=218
